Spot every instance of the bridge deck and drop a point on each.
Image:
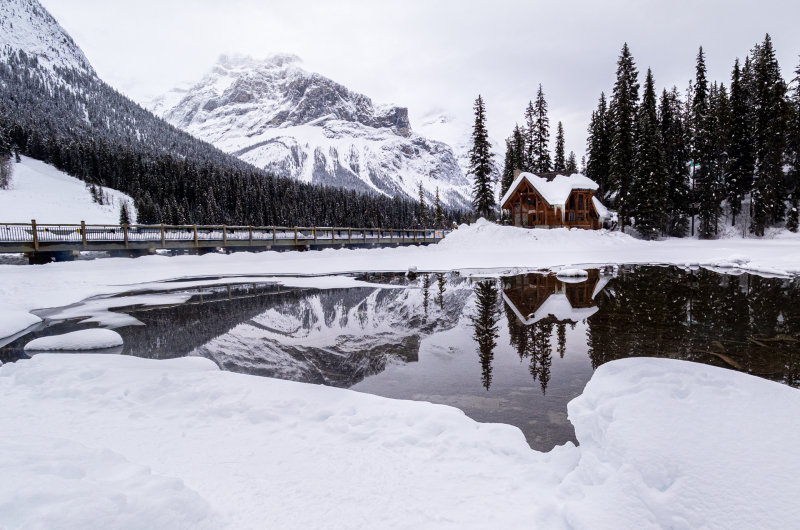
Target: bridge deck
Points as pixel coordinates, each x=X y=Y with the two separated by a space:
x=42 y=238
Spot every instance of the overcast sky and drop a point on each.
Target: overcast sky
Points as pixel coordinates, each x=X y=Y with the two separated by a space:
x=433 y=55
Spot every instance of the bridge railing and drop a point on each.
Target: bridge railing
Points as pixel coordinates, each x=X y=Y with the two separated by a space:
x=36 y=233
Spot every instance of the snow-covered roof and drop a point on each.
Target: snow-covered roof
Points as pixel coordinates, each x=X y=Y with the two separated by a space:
x=602 y=211
x=556 y=190
x=558 y=306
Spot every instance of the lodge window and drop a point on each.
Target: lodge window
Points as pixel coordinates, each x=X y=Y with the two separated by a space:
x=572 y=216
x=580 y=202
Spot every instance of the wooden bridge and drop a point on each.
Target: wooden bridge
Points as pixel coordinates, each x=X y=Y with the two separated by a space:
x=42 y=243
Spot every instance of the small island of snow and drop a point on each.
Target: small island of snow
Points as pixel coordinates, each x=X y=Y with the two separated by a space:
x=83 y=340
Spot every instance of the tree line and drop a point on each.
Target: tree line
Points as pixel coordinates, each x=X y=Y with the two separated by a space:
x=80 y=125
x=527 y=149
x=676 y=164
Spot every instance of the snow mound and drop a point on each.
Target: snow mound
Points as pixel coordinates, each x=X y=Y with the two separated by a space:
x=12 y=322
x=83 y=340
x=58 y=483
x=684 y=445
x=668 y=444
x=42 y=192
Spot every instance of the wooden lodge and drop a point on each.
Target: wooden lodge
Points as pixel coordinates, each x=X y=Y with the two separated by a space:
x=551 y=200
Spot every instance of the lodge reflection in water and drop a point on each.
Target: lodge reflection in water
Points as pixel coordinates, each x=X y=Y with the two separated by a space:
x=535 y=306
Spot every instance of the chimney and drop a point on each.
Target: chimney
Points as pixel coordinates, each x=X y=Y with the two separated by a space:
x=517 y=172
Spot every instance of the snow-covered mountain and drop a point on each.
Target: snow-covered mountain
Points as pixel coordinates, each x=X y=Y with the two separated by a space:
x=25 y=25
x=278 y=116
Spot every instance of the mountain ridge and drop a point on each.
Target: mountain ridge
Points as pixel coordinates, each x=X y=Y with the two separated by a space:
x=278 y=116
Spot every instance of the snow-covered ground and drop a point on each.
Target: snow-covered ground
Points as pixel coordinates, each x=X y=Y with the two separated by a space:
x=482 y=246
x=40 y=191
x=81 y=340
x=120 y=442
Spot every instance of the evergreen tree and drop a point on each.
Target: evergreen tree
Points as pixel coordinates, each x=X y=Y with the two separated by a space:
x=769 y=92
x=623 y=111
x=541 y=136
x=720 y=116
x=703 y=185
x=572 y=164
x=793 y=152
x=649 y=192
x=560 y=161
x=438 y=211
x=124 y=215
x=514 y=159
x=599 y=147
x=740 y=144
x=676 y=160
x=529 y=163
x=5 y=159
x=481 y=164
x=507 y=177
x=424 y=221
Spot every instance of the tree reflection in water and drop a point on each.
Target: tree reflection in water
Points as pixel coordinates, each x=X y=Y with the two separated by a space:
x=484 y=323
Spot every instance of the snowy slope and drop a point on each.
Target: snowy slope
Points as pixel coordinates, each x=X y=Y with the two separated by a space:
x=40 y=191
x=121 y=442
x=25 y=25
x=280 y=117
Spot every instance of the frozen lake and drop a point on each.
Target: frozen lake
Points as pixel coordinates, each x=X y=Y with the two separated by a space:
x=512 y=349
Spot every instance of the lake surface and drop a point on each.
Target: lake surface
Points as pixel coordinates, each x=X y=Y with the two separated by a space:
x=513 y=349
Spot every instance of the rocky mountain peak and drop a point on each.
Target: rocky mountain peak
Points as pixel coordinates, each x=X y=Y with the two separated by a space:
x=27 y=26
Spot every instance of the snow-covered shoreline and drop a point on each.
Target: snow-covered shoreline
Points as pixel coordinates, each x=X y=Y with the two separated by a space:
x=114 y=441
x=482 y=248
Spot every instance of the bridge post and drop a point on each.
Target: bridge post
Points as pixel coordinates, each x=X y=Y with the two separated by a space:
x=295 y=236
x=35 y=235
x=250 y=231
x=194 y=228
x=163 y=238
x=349 y=235
x=224 y=237
x=314 y=232
x=379 y=235
x=274 y=235
x=125 y=233
x=83 y=233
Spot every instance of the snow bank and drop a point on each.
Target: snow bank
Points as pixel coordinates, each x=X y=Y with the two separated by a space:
x=12 y=322
x=40 y=191
x=482 y=247
x=663 y=443
x=82 y=340
x=572 y=273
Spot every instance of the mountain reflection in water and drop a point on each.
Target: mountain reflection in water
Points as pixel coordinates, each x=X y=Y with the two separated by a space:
x=513 y=349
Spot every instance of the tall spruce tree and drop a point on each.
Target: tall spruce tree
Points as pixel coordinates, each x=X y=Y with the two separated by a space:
x=649 y=189
x=741 y=159
x=676 y=161
x=701 y=120
x=529 y=162
x=481 y=164
x=599 y=147
x=572 y=164
x=423 y=217
x=541 y=136
x=793 y=152
x=720 y=116
x=438 y=211
x=559 y=160
x=769 y=92
x=623 y=111
x=507 y=177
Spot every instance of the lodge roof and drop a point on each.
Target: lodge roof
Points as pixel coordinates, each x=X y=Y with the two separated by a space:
x=554 y=187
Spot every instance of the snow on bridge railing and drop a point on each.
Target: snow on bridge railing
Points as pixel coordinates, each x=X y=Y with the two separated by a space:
x=37 y=233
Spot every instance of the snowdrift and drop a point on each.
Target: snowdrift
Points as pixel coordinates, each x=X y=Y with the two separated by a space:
x=177 y=443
